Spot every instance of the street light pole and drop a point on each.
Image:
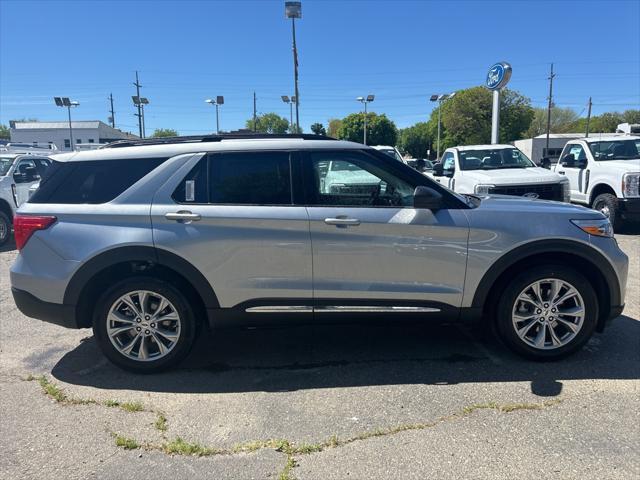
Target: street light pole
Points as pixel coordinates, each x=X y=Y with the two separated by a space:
x=440 y=98
x=70 y=127
x=293 y=10
x=366 y=100
x=219 y=100
x=66 y=102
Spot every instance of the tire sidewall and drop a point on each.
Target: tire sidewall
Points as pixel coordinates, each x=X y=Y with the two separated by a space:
x=610 y=201
x=4 y=218
x=505 y=326
x=179 y=301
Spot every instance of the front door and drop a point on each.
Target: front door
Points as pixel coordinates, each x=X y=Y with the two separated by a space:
x=577 y=173
x=371 y=248
x=232 y=216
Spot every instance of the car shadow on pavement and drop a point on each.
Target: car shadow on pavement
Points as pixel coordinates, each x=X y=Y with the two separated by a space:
x=9 y=246
x=298 y=358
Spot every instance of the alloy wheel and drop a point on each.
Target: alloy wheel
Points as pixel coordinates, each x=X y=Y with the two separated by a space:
x=143 y=325
x=548 y=314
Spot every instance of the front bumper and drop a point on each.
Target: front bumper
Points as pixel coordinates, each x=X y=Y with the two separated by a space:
x=629 y=208
x=31 y=306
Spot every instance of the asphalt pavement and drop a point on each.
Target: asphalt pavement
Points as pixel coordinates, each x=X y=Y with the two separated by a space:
x=385 y=401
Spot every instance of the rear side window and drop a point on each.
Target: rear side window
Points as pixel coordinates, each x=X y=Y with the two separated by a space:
x=91 y=182
x=250 y=178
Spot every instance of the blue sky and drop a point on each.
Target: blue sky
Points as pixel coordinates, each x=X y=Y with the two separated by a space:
x=400 y=51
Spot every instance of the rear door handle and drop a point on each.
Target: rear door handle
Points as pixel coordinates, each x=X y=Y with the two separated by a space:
x=183 y=216
x=342 y=222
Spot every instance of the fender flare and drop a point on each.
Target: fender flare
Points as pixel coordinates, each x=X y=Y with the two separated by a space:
x=588 y=254
x=141 y=254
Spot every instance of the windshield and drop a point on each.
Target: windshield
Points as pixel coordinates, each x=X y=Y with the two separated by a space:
x=392 y=153
x=5 y=164
x=615 y=150
x=492 y=159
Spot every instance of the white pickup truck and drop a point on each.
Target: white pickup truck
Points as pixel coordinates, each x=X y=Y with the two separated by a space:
x=498 y=169
x=18 y=173
x=604 y=174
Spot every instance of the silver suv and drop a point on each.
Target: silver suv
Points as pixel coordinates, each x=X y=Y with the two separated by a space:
x=149 y=242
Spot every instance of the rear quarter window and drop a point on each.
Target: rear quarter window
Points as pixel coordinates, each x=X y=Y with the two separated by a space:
x=91 y=182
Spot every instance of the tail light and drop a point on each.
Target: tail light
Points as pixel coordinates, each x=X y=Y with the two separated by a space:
x=25 y=225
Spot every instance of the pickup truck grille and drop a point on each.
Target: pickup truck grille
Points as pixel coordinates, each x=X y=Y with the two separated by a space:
x=545 y=191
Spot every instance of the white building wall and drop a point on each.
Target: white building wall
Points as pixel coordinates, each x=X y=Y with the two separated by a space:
x=55 y=135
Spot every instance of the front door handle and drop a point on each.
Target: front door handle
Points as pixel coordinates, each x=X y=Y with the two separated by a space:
x=342 y=222
x=183 y=216
x=561 y=172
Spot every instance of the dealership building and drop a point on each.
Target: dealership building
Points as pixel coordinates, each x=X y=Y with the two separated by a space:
x=85 y=132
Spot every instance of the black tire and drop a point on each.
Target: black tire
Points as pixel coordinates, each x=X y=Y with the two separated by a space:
x=182 y=346
x=507 y=331
x=609 y=203
x=5 y=228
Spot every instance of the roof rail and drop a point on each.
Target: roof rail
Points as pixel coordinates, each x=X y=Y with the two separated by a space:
x=214 y=138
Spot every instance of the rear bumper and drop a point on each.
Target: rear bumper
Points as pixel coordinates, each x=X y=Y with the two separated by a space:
x=629 y=208
x=58 y=314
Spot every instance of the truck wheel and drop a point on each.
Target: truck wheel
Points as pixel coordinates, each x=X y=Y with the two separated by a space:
x=607 y=204
x=5 y=228
x=547 y=312
x=144 y=325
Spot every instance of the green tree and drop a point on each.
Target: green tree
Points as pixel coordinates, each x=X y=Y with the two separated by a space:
x=466 y=118
x=269 y=123
x=562 y=121
x=334 y=126
x=416 y=140
x=164 y=132
x=318 y=129
x=4 y=132
x=380 y=130
x=631 y=116
x=604 y=123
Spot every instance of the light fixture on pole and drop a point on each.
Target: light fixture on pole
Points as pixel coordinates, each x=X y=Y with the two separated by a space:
x=293 y=10
x=290 y=101
x=365 y=100
x=140 y=102
x=440 y=98
x=217 y=102
x=65 y=102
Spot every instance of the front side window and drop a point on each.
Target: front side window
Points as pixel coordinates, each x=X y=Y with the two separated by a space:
x=615 y=150
x=250 y=178
x=448 y=161
x=494 y=158
x=578 y=152
x=353 y=180
x=5 y=164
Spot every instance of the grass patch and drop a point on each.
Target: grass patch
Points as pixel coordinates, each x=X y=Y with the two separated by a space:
x=180 y=447
x=111 y=403
x=161 y=423
x=126 y=443
x=52 y=390
x=132 y=406
x=287 y=471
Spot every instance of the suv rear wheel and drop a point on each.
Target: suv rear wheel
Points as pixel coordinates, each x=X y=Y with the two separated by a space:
x=547 y=312
x=144 y=325
x=5 y=228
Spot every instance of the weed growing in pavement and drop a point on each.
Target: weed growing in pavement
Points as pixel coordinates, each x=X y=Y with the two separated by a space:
x=126 y=443
x=161 y=423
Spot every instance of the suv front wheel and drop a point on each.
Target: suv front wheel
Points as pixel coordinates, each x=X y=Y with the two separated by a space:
x=144 y=325
x=547 y=312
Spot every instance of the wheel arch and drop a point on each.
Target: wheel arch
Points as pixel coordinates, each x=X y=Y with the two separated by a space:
x=585 y=259
x=98 y=273
x=599 y=189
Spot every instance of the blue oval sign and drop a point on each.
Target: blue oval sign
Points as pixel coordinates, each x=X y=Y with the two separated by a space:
x=498 y=76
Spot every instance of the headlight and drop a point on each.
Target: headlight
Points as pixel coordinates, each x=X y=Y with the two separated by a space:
x=599 y=227
x=566 y=192
x=482 y=189
x=631 y=185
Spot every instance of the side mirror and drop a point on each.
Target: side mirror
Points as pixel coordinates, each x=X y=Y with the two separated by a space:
x=568 y=160
x=449 y=173
x=438 y=170
x=425 y=197
x=545 y=163
x=581 y=163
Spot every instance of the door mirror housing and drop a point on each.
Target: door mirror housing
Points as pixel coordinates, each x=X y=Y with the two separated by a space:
x=568 y=160
x=545 y=163
x=449 y=173
x=582 y=163
x=426 y=197
x=438 y=170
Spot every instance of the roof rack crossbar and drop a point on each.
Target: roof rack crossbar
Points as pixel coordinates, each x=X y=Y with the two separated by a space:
x=214 y=138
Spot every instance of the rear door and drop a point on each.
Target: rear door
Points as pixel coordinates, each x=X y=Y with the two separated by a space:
x=371 y=249
x=232 y=215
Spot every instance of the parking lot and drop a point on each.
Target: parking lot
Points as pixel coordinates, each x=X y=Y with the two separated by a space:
x=321 y=402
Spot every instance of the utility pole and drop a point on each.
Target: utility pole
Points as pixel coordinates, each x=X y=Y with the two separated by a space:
x=254 y=112
x=293 y=10
x=139 y=114
x=551 y=76
x=588 y=118
x=113 y=114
